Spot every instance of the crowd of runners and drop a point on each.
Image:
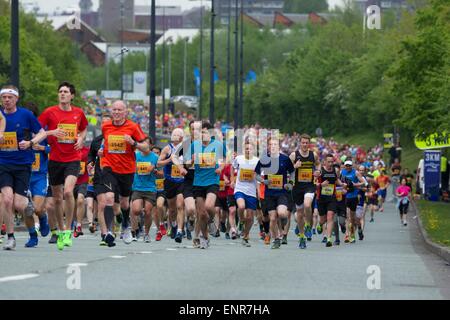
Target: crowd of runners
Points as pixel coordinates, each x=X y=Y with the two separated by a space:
x=203 y=184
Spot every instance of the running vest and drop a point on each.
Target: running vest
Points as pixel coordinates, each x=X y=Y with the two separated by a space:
x=304 y=176
x=171 y=171
x=329 y=191
x=350 y=178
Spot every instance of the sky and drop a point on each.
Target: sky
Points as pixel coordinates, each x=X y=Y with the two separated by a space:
x=48 y=6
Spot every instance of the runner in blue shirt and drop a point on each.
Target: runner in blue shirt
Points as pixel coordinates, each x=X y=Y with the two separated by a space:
x=16 y=158
x=274 y=172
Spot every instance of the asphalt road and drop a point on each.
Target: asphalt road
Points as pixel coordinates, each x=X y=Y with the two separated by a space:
x=227 y=270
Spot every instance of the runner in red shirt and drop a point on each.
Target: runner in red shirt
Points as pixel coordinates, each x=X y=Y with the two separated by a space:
x=66 y=127
x=118 y=162
x=80 y=191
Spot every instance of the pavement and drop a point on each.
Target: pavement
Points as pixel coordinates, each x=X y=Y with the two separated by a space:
x=391 y=262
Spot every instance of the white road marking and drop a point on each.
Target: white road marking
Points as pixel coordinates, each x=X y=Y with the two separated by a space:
x=171 y=249
x=145 y=252
x=77 y=264
x=117 y=257
x=19 y=277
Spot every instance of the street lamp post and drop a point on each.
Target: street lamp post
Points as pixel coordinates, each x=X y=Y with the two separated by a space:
x=201 y=63
x=164 y=65
x=122 y=8
x=212 y=67
x=236 y=69
x=15 y=43
x=152 y=111
x=228 y=61
x=185 y=65
x=170 y=66
x=241 y=98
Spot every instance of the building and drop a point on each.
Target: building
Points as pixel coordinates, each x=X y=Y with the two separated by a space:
x=286 y=20
x=167 y=17
x=110 y=13
x=383 y=4
x=264 y=7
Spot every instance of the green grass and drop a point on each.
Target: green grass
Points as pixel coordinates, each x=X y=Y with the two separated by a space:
x=436 y=220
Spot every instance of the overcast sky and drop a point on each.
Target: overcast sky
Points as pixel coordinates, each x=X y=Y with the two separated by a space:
x=49 y=6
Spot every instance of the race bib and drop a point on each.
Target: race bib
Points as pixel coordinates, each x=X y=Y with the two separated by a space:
x=305 y=175
x=91 y=180
x=143 y=168
x=70 y=133
x=116 y=144
x=222 y=185
x=175 y=172
x=9 y=142
x=37 y=162
x=207 y=160
x=82 y=167
x=275 y=181
x=328 y=190
x=339 y=194
x=160 y=185
x=246 y=175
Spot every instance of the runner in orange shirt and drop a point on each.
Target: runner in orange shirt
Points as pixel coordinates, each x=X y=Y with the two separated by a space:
x=118 y=162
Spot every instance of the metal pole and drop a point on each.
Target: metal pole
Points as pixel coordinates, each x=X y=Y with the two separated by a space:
x=201 y=64
x=236 y=69
x=121 y=46
x=185 y=66
x=164 y=65
x=212 y=67
x=107 y=67
x=241 y=98
x=170 y=68
x=152 y=115
x=228 y=61
x=15 y=43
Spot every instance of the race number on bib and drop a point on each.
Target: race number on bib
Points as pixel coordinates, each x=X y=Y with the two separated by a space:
x=339 y=194
x=9 y=142
x=160 y=185
x=175 y=172
x=82 y=167
x=143 y=168
x=37 y=162
x=246 y=175
x=116 y=144
x=222 y=185
x=275 y=181
x=305 y=175
x=207 y=160
x=91 y=180
x=328 y=190
x=70 y=132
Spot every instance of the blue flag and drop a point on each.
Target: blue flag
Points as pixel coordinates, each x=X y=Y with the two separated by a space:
x=216 y=77
x=197 y=80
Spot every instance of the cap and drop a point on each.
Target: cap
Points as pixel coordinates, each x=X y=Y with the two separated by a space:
x=348 y=163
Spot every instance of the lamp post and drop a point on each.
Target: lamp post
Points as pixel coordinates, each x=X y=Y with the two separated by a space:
x=122 y=8
x=152 y=109
x=212 y=67
x=228 y=61
x=15 y=43
x=241 y=98
x=164 y=65
x=201 y=63
x=236 y=69
x=185 y=65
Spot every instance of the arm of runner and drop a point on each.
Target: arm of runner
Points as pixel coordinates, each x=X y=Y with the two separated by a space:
x=80 y=140
x=318 y=165
x=163 y=155
x=362 y=181
x=41 y=135
x=141 y=146
x=2 y=126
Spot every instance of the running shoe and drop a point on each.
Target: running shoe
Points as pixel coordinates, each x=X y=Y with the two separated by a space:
x=227 y=236
x=44 y=228
x=217 y=234
x=109 y=239
x=241 y=226
x=329 y=244
x=32 y=242
x=127 y=236
x=60 y=241
x=361 y=235
x=371 y=220
x=178 y=237
x=92 y=228
x=196 y=243
x=302 y=243
x=337 y=242
x=346 y=238
x=78 y=232
x=3 y=229
x=188 y=234
x=314 y=231
x=103 y=242
x=212 y=227
x=10 y=244
x=352 y=239
x=308 y=233
x=67 y=238
x=276 y=244
x=190 y=225
x=245 y=243
x=284 y=241
x=53 y=238
x=296 y=230
x=223 y=227
x=262 y=235
x=233 y=235
x=147 y=238
x=267 y=239
x=203 y=243
x=405 y=223
x=162 y=229
x=319 y=229
x=324 y=240
x=158 y=236
x=173 y=232
x=344 y=229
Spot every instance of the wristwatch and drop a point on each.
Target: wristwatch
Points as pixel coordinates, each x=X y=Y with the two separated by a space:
x=31 y=143
x=135 y=144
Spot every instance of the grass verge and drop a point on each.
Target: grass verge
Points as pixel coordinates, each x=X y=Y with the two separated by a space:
x=436 y=220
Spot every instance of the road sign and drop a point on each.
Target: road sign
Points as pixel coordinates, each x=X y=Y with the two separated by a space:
x=433 y=141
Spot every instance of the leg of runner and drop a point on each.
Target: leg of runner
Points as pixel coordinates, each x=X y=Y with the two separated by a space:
x=147 y=220
x=232 y=220
x=125 y=211
x=330 y=225
x=189 y=205
x=134 y=226
x=274 y=232
x=90 y=213
x=249 y=214
x=172 y=217
x=136 y=208
x=81 y=210
x=210 y=202
x=180 y=218
x=106 y=217
x=52 y=221
x=160 y=209
x=301 y=227
x=202 y=220
x=12 y=201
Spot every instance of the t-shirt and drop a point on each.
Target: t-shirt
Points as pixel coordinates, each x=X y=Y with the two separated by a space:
x=245 y=180
x=19 y=126
x=144 y=179
x=206 y=160
x=72 y=122
x=83 y=177
x=224 y=189
x=276 y=174
x=403 y=190
x=382 y=181
x=118 y=154
x=40 y=163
